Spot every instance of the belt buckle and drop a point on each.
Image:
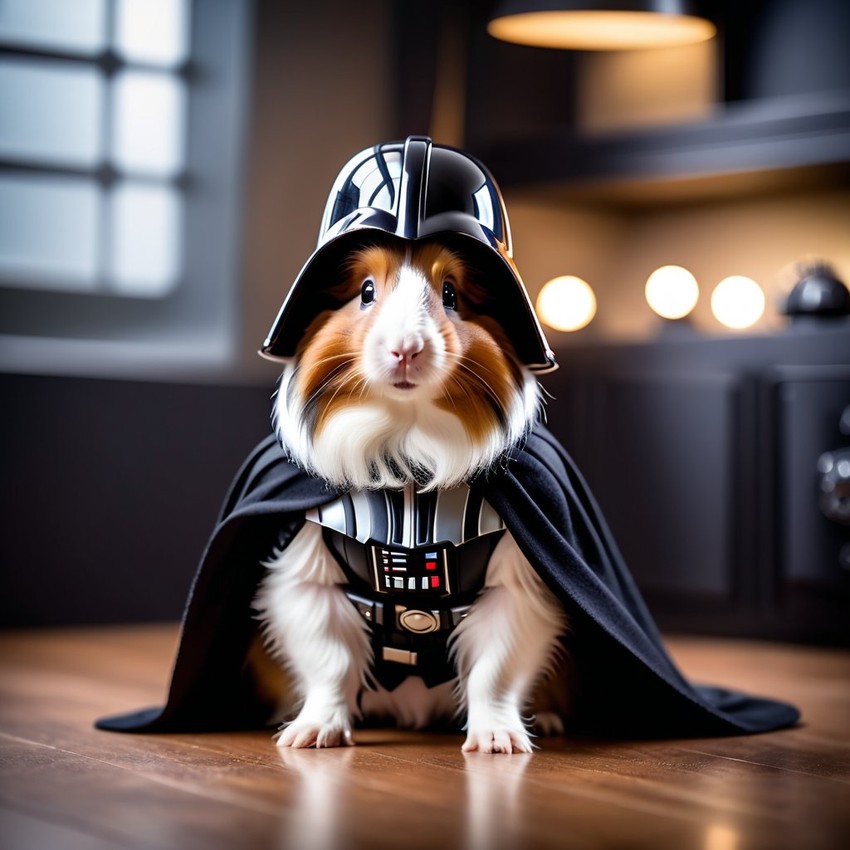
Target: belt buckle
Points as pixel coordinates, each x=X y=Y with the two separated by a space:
x=400 y=656
x=416 y=621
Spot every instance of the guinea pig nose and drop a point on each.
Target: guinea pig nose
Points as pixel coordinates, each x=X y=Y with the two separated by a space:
x=406 y=348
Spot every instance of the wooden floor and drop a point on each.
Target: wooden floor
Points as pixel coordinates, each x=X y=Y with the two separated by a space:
x=66 y=786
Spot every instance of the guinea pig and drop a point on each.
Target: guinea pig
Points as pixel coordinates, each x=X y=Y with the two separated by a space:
x=398 y=395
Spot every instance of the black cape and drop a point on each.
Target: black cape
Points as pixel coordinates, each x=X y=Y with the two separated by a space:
x=626 y=685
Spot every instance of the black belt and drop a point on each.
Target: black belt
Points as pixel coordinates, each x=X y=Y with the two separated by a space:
x=415 y=620
x=412 y=600
x=409 y=640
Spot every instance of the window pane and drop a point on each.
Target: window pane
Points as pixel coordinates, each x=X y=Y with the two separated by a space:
x=154 y=31
x=148 y=121
x=146 y=237
x=49 y=231
x=51 y=112
x=77 y=26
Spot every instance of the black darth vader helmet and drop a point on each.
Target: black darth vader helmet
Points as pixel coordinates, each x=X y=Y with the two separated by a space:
x=415 y=190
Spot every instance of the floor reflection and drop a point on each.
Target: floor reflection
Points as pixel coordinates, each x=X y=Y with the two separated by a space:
x=493 y=814
x=337 y=801
x=315 y=821
x=721 y=837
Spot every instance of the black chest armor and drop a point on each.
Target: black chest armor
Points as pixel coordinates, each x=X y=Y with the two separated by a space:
x=414 y=563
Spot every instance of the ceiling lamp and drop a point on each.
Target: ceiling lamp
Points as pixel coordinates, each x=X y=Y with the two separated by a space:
x=596 y=25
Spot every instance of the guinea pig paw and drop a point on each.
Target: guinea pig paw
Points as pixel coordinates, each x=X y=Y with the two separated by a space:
x=300 y=734
x=548 y=723
x=497 y=740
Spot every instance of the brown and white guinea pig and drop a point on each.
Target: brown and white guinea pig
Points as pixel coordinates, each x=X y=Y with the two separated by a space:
x=408 y=380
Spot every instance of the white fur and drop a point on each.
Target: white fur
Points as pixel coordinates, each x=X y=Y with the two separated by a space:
x=404 y=341
x=502 y=648
x=412 y=705
x=385 y=443
x=312 y=628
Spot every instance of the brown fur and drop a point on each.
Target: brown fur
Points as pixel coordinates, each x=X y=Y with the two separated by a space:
x=480 y=377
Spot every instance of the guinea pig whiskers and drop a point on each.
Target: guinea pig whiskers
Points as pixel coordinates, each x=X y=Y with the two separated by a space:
x=320 y=361
x=495 y=403
x=331 y=376
x=349 y=387
x=315 y=397
x=449 y=396
x=477 y=364
x=364 y=386
x=476 y=377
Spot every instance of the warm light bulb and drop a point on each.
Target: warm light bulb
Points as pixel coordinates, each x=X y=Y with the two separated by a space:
x=600 y=30
x=672 y=292
x=566 y=303
x=737 y=302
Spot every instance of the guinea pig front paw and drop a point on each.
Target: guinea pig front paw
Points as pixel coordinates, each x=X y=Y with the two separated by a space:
x=497 y=740
x=301 y=733
x=548 y=723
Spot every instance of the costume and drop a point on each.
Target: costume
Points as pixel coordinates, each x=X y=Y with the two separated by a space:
x=627 y=686
x=414 y=563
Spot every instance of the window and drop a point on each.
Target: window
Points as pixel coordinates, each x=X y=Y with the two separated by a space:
x=120 y=143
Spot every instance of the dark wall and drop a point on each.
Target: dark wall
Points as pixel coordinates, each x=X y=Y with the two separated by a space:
x=702 y=452
x=775 y=48
x=109 y=491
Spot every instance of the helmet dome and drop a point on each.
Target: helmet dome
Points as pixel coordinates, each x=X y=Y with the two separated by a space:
x=415 y=190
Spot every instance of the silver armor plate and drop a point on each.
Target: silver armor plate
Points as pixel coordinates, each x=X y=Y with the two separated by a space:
x=409 y=518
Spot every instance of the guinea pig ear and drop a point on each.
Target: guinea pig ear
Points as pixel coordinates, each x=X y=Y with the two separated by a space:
x=473 y=287
x=312 y=330
x=477 y=295
x=345 y=277
x=341 y=293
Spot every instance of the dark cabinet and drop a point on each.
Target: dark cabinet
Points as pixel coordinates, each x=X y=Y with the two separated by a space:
x=812 y=582
x=664 y=460
x=704 y=457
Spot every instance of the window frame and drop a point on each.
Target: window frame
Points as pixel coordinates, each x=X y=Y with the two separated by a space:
x=194 y=326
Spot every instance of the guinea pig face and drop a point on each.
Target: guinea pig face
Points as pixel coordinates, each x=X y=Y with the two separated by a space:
x=423 y=338
x=408 y=338
x=409 y=368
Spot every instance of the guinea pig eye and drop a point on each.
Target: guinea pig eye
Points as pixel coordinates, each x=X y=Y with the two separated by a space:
x=367 y=291
x=449 y=296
